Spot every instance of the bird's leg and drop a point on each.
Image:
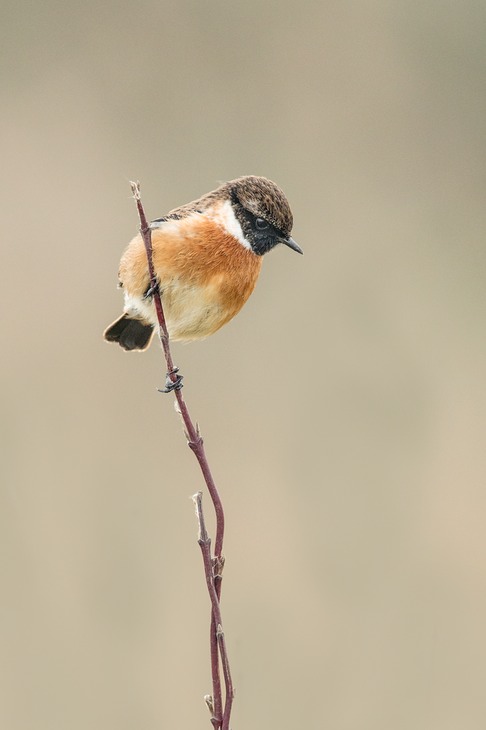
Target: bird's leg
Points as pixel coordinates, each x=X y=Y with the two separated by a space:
x=172 y=381
x=170 y=384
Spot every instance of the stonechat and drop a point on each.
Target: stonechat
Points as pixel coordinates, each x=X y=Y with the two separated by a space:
x=207 y=256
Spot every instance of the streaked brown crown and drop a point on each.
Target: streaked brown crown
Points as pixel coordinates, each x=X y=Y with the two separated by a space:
x=259 y=196
x=264 y=199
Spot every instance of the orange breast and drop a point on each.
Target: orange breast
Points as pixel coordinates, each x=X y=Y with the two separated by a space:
x=205 y=274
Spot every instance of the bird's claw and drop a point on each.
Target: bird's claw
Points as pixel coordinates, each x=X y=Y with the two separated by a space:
x=151 y=291
x=170 y=384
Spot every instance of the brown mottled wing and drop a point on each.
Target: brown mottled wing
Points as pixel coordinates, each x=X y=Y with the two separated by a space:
x=199 y=205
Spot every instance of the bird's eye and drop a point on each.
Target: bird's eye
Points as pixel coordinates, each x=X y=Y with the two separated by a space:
x=261 y=224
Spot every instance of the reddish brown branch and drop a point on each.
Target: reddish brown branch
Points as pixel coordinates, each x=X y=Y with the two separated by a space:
x=219 y=718
x=209 y=570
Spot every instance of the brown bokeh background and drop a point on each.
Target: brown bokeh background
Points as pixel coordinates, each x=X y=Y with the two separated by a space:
x=343 y=410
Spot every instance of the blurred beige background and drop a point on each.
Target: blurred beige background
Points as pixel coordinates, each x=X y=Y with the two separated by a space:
x=347 y=431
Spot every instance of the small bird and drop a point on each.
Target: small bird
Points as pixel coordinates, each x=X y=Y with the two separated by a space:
x=207 y=256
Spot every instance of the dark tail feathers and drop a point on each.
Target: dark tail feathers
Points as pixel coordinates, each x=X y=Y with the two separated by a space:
x=130 y=333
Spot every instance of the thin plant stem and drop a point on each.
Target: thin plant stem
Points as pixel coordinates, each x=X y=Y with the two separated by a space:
x=220 y=718
x=205 y=544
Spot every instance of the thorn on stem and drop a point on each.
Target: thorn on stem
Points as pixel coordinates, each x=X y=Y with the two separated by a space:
x=208 y=699
x=196 y=445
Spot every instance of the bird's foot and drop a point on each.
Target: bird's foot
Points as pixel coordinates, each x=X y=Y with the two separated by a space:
x=172 y=384
x=151 y=291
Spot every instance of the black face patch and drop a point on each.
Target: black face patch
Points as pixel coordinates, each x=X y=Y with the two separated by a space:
x=261 y=234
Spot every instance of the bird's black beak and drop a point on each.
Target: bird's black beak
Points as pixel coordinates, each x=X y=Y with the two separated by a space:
x=291 y=244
